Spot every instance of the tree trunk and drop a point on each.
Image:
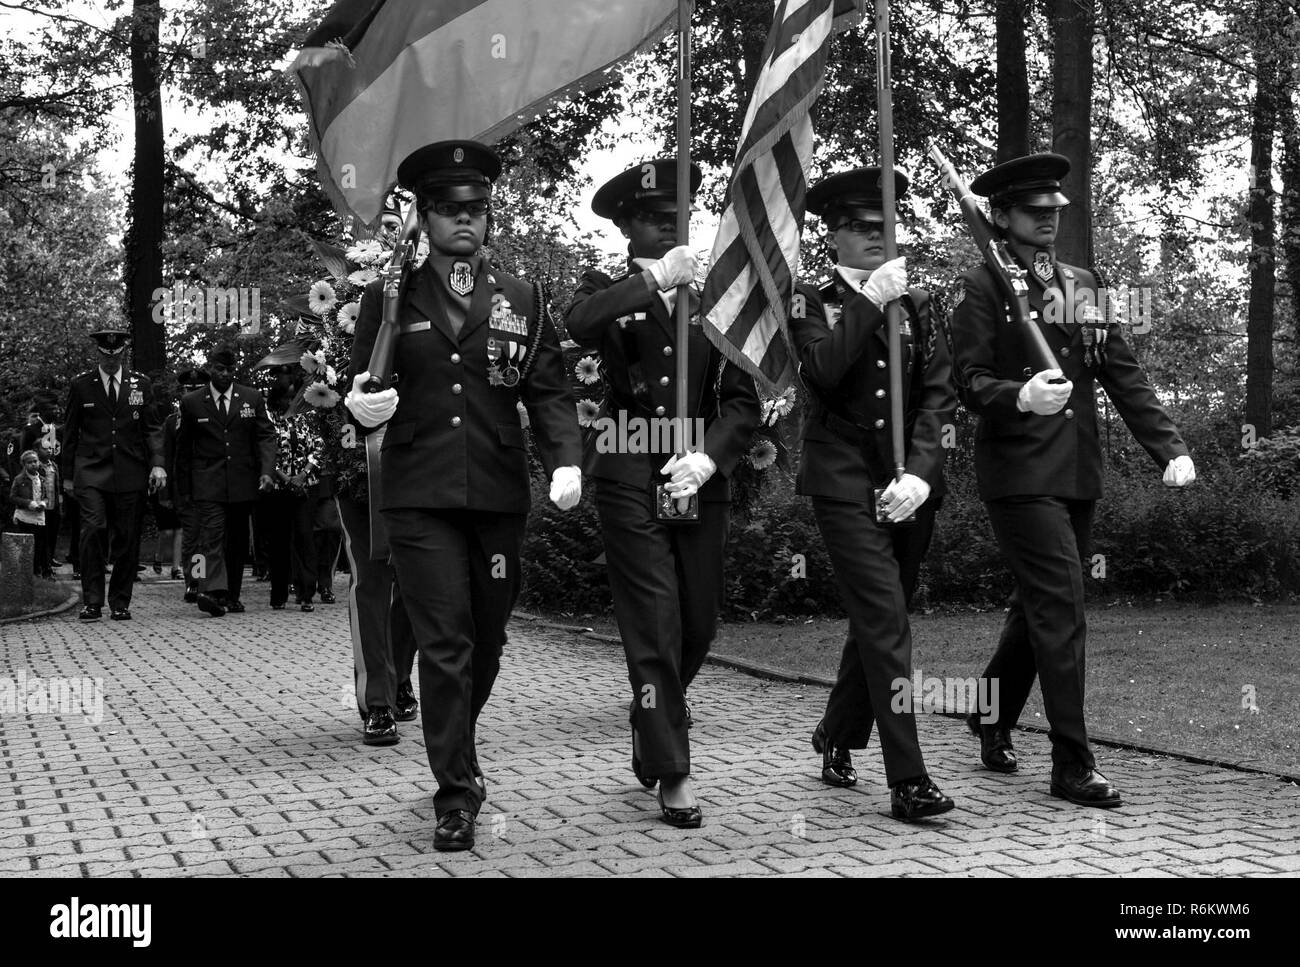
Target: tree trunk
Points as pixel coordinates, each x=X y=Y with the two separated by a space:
x=1259 y=213
x=143 y=243
x=1013 y=80
x=1289 y=209
x=1072 y=32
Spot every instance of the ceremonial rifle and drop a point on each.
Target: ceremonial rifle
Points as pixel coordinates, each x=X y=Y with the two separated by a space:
x=397 y=277
x=1011 y=278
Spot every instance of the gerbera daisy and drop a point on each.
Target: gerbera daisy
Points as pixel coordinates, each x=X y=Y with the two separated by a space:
x=587 y=370
x=347 y=317
x=312 y=362
x=318 y=394
x=321 y=297
x=368 y=252
x=363 y=276
x=587 y=412
x=763 y=455
x=775 y=409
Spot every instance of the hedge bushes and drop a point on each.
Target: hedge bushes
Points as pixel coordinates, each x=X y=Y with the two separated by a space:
x=1225 y=538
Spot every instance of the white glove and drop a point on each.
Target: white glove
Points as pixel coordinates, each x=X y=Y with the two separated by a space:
x=370 y=409
x=678 y=267
x=1180 y=472
x=887 y=283
x=689 y=473
x=566 y=487
x=903 y=496
x=1043 y=397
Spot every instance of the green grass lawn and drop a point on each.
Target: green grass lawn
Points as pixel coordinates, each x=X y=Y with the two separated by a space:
x=1172 y=676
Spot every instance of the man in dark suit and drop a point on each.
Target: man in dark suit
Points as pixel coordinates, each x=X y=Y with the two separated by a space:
x=840 y=336
x=1038 y=459
x=112 y=453
x=188 y=381
x=225 y=453
x=474 y=343
x=666 y=578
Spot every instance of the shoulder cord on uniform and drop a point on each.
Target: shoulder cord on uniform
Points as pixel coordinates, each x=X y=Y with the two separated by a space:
x=542 y=308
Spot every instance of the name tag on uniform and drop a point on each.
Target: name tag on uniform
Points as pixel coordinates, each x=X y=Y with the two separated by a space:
x=86 y=405
x=203 y=419
x=417 y=326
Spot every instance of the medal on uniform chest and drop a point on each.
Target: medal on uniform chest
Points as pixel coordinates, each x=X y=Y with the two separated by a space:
x=1043 y=267
x=461 y=278
x=505 y=354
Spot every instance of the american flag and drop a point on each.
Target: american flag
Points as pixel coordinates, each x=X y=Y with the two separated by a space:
x=755 y=256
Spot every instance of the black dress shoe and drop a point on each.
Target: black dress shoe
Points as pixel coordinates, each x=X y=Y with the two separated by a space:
x=327 y=597
x=455 y=831
x=837 y=763
x=90 y=613
x=916 y=799
x=380 y=728
x=278 y=607
x=407 y=705
x=996 y=750
x=306 y=606
x=209 y=605
x=120 y=614
x=689 y=818
x=235 y=607
x=1084 y=786
x=191 y=595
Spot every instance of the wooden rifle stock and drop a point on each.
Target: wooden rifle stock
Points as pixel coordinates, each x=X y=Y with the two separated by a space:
x=397 y=276
x=1011 y=278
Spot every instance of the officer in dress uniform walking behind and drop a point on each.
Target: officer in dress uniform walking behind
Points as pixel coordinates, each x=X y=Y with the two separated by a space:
x=474 y=342
x=225 y=455
x=666 y=578
x=1038 y=460
x=840 y=336
x=112 y=454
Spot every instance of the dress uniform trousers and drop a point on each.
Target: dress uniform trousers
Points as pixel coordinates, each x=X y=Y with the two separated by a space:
x=383 y=645
x=1045 y=541
x=222 y=539
x=878 y=651
x=666 y=582
x=460 y=577
x=110 y=530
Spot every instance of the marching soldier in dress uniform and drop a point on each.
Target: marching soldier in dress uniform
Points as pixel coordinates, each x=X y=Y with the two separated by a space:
x=455 y=498
x=225 y=455
x=187 y=380
x=840 y=335
x=665 y=577
x=1038 y=459
x=112 y=453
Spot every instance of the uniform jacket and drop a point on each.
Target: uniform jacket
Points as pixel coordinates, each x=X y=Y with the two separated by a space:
x=223 y=461
x=629 y=325
x=107 y=447
x=847 y=436
x=1060 y=455
x=456 y=440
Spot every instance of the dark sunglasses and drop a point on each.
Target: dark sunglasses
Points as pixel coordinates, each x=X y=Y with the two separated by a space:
x=451 y=209
x=656 y=219
x=859 y=227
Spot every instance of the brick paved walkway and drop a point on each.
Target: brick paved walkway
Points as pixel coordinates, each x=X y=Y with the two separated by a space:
x=232 y=746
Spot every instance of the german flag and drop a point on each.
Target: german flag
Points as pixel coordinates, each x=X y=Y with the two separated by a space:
x=380 y=78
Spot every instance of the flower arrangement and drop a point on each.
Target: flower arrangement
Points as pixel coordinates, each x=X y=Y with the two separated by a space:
x=329 y=325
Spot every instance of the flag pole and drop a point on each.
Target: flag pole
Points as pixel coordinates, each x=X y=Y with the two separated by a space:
x=885 y=109
x=685 y=9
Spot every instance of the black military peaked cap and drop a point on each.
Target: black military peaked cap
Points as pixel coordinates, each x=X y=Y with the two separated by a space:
x=651 y=186
x=111 y=340
x=450 y=170
x=1032 y=180
x=859 y=188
